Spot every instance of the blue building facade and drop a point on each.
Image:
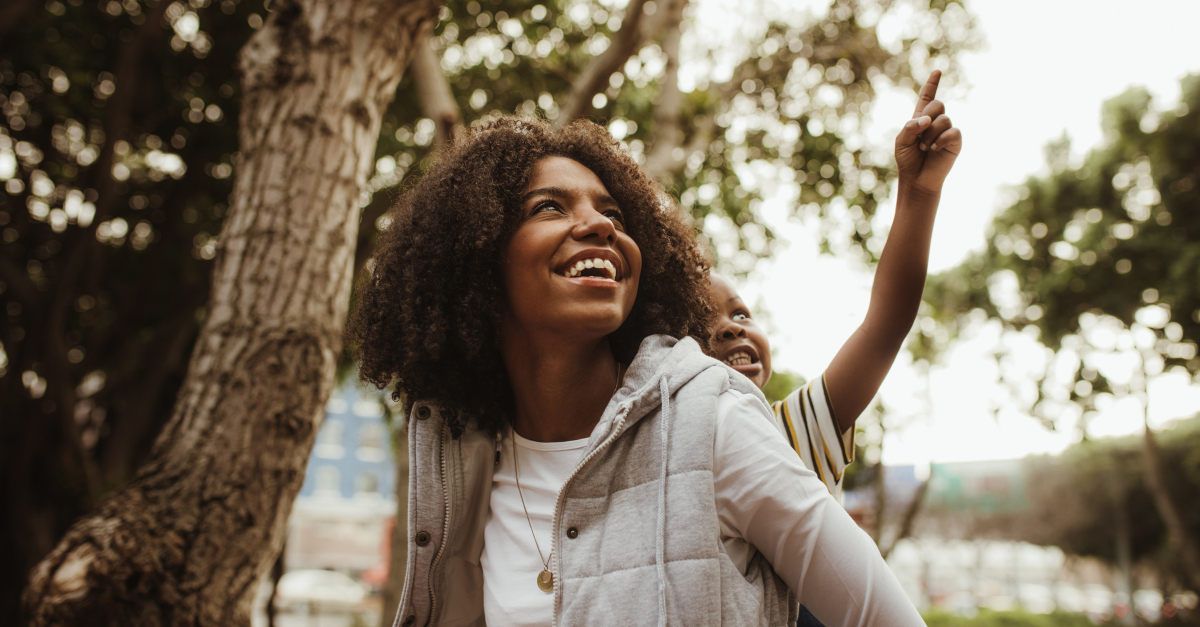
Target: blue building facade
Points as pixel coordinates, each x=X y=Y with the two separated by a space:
x=352 y=457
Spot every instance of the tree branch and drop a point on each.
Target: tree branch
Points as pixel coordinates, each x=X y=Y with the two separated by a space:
x=433 y=90
x=627 y=41
x=13 y=13
x=116 y=127
x=166 y=356
x=910 y=516
x=18 y=282
x=661 y=162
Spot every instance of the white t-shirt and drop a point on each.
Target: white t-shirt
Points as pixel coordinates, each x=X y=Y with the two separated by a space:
x=766 y=500
x=510 y=558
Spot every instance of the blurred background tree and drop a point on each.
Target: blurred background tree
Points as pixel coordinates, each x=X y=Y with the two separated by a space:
x=1100 y=261
x=1093 y=501
x=113 y=197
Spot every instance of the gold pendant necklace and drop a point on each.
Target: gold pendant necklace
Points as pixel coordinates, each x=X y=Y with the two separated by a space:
x=545 y=579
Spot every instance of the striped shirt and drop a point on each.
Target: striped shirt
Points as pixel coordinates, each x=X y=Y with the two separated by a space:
x=806 y=420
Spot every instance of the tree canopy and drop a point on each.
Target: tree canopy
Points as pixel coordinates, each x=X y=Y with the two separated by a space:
x=1101 y=258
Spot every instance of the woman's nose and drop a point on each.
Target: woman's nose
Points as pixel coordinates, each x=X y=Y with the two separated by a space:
x=592 y=223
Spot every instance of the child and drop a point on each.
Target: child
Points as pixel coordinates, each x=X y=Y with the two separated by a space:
x=818 y=419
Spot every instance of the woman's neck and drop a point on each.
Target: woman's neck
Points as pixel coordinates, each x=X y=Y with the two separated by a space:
x=560 y=389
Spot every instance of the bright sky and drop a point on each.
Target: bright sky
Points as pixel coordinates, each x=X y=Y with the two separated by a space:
x=1045 y=68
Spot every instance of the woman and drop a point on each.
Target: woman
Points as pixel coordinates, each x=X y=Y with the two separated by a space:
x=575 y=456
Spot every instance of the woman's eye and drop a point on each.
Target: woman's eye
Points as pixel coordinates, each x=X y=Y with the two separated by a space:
x=615 y=216
x=549 y=205
x=740 y=316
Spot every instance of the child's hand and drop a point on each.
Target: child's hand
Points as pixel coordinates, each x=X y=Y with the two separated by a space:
x=928 y=144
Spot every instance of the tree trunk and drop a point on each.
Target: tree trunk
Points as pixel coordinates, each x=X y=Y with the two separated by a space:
x=190 y=537
x=277 y=570
x=1177 y=530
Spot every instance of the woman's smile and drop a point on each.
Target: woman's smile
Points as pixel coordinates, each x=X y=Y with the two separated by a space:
x=599 y=267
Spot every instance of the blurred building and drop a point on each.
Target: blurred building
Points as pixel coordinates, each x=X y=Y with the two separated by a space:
x=343 y=515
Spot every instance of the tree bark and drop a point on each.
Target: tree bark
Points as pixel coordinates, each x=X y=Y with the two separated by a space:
x=190 y=537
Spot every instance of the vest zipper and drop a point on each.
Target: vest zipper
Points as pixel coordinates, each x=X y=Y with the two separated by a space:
x=445 y=526
x=619 y=423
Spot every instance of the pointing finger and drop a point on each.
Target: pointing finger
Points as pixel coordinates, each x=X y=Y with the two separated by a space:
x=928 y=92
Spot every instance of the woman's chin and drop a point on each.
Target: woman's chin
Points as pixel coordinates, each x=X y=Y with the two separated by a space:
x=591 y=323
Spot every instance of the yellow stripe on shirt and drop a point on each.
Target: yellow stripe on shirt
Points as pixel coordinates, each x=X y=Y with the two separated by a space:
x=810 y=419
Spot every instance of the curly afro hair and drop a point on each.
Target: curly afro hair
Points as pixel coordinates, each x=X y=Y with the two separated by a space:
x=428 y=308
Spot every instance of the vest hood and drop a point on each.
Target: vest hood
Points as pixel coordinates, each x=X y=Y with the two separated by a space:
x=661 y=367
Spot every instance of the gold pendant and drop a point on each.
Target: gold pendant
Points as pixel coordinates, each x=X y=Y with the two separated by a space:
x=546 y=581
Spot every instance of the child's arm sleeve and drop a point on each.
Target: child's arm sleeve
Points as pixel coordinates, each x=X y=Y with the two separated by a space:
x=807 y=420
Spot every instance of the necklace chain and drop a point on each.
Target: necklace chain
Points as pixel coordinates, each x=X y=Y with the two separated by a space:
x=517 y=476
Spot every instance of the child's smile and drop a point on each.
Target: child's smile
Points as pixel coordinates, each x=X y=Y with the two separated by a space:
x=738 y=341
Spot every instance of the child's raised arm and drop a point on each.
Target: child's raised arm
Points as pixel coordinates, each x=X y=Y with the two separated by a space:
x=925 y=151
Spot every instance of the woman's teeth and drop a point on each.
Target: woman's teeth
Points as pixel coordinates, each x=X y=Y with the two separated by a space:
x=740 y=358
x=602 y=265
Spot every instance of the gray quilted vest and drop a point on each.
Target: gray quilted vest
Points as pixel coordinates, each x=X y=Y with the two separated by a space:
x=644 y=544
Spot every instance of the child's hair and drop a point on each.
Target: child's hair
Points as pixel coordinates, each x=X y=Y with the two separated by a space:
x=428 y=304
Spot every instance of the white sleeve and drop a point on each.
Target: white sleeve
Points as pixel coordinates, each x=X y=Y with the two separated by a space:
x=765 y=494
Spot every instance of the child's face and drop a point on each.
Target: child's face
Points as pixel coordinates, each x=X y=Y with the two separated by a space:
x=737 y=339
x=570 y=269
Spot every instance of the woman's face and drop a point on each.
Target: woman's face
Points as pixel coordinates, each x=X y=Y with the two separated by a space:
x=570 y=268
x=737 y=339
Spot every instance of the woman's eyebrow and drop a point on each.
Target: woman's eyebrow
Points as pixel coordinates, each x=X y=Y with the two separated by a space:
x=559 y=192
x=609 y=200
x=547 y=191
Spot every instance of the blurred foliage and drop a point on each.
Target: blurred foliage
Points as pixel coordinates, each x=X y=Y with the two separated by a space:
x=117 y=144
x=1075 y=498
x=1114 y=238
x=781 y=384
x=790 y=112
x=866 y=471
x=112 y=203
x=1016 y=618
x=118 y=266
